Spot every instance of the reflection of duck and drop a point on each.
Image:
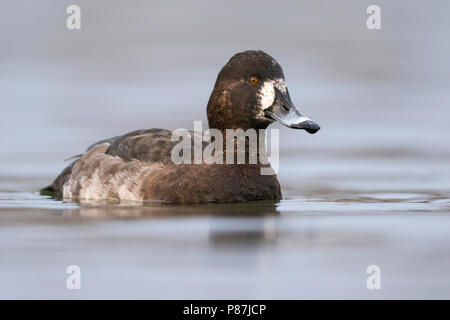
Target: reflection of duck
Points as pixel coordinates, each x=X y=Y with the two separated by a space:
x=250 y=92
x=132 y=209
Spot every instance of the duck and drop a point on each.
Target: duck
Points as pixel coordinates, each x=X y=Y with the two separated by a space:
x=250 y=93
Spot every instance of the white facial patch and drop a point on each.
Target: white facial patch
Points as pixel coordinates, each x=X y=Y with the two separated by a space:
x=267 y=93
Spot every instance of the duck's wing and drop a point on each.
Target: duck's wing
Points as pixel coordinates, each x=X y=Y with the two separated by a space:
x=149 y=145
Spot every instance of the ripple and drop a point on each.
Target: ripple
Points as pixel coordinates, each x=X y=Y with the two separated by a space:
x=32 y=200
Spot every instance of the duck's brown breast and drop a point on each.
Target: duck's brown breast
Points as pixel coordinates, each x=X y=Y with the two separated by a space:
x=203 y=183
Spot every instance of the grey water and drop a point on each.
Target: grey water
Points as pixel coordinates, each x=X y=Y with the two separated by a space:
x=371 y=188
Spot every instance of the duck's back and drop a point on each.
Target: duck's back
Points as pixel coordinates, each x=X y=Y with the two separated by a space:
x=138 y=166
x=148 y=145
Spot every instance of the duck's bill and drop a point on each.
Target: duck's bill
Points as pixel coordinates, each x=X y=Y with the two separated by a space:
x=283 y=111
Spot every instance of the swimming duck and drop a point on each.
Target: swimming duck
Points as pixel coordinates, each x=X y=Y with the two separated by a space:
x=250 y=93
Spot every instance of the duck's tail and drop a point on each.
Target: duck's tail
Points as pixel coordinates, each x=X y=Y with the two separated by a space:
x=48 y=191
x=55 y=190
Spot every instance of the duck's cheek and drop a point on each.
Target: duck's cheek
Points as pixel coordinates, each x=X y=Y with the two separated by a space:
x=266 y=95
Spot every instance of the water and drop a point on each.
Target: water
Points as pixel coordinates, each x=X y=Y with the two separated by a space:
x=371 y=188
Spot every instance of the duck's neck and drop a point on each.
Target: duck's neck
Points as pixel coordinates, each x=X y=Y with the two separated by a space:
x=244 y=147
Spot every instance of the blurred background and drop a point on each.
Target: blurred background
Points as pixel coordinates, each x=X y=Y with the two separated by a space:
x=370 y=188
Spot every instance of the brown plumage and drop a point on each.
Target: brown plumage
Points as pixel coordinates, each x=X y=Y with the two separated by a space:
x=138 y=165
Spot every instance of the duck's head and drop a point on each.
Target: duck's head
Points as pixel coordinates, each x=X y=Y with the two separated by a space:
x=251 y=92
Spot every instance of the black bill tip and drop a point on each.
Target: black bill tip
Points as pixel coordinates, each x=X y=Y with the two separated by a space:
x=308 y=125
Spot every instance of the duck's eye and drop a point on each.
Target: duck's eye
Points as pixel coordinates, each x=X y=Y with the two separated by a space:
x=253 y=80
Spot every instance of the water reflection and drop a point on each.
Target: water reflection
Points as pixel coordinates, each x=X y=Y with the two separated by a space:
x=243 y=224
x=243 y=232
x=125 y=209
